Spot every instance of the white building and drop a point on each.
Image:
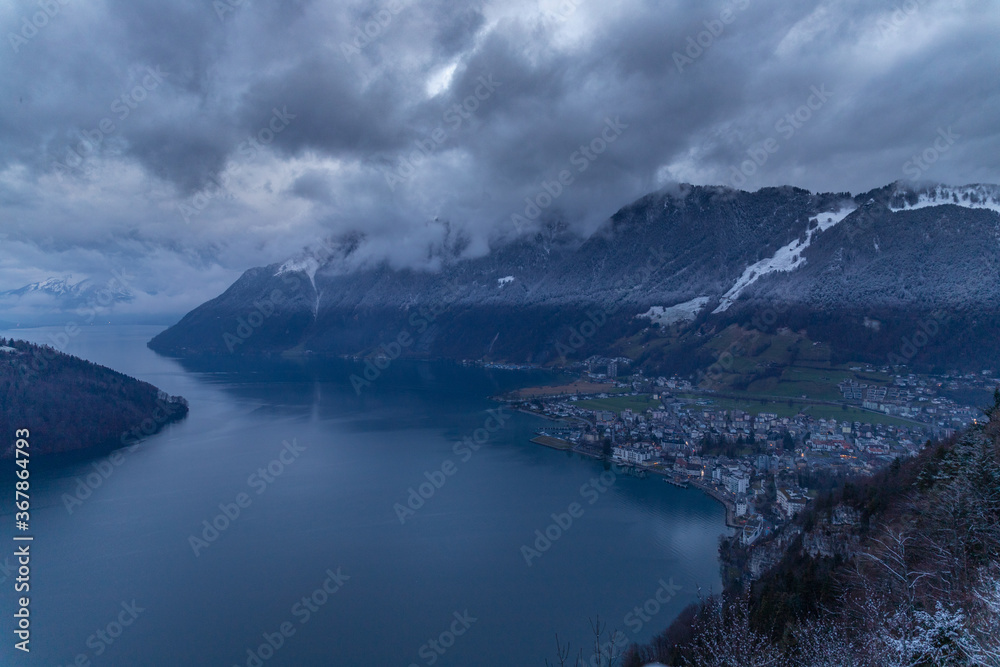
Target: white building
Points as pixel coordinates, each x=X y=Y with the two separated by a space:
x=751 y=531
x=736 y=483
x=741 y=506
x=791 y=501
x=632 y=454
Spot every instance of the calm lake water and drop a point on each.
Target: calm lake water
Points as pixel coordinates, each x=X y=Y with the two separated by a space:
x=453 y=572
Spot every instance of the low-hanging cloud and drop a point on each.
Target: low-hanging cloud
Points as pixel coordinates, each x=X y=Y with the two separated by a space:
x=389 y=133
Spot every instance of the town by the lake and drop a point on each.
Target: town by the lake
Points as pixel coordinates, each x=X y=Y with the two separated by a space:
x=764 y=457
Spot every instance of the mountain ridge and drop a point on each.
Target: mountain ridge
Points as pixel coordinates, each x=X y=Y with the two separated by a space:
x=735 y=251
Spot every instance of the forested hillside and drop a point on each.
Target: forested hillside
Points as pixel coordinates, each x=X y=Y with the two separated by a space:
x=899 y=569
x=70 y=404
x=859 y=274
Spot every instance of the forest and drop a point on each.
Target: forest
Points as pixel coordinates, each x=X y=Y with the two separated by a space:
x=69 y=404
x=900 y=569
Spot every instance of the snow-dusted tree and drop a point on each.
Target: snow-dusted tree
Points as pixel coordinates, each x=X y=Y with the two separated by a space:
x=922 y=590
x=885 y=568
x=607 y=650
x=725 y=638
x=825 y=643
x=906 y=638
x=938 y=639
x=984 y=641
x=959 y=517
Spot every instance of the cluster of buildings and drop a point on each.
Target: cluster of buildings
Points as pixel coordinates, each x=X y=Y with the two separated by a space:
x=600 y=368
x=921 y=398
x=762 y=466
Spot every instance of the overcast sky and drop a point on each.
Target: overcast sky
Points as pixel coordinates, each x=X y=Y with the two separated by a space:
x=185 y=141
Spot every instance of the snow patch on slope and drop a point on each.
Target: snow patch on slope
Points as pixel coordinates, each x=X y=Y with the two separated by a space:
x=308 y=265
x=681 y=312
x=503 y=281
x=787 y=258
x=969 y=196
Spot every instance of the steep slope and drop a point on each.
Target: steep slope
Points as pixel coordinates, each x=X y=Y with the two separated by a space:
x=70 y=404
x=892 y=254
x=677 y=244
x=899 y=569
x=724 y=253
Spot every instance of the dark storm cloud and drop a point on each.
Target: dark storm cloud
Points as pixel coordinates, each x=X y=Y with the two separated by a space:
x=397 y=113
x=457 y=29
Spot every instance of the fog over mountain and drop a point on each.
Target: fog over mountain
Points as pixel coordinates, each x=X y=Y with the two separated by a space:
x=838 y=265
x=181 y=143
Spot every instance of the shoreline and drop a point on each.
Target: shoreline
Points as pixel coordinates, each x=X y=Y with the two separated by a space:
x=535 y=414
x=729 y=505
x=731 y=521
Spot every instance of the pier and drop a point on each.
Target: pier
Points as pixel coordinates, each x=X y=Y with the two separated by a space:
x=677 y=481
x=554 y=443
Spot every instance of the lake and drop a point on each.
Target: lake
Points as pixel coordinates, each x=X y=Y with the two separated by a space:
x=289 y=520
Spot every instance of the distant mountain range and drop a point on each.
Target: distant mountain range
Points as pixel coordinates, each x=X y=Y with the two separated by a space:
x=63 y=294
x=860 y=272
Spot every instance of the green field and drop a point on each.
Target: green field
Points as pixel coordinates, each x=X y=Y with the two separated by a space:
x=617 y=404
x=798 y=381
x=785 y=364
x=782 y=409
x=776 y=395
x=754 y=407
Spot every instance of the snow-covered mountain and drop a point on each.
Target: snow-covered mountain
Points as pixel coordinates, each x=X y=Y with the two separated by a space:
x=49 y=286
x=63 y=294
x=969 y=196
x=787 y=258
x=687 y=254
